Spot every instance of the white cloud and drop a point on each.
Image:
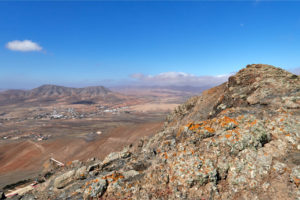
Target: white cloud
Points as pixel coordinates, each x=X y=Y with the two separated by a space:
x=25 y=45
x=179 y=79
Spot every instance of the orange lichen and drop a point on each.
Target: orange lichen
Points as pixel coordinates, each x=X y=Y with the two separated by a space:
x=296 y=181
x=96 y=180
x=224 y=111
x=193 y=152
x=114 y=176
x=189 y=124
x=253 y=123
x=236 y=131
x=240 y=117
x=209 y=129
x=288 y=134
x=166 y=155
x=69 y=163
x=194 y=126
x=228 y=135
x=226 y=120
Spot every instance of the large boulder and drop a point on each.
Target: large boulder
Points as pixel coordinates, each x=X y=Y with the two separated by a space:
x=64 y=179
x=81 y=173
x=96 y=189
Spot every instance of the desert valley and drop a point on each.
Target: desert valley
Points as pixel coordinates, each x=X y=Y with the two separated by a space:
x=76 y=123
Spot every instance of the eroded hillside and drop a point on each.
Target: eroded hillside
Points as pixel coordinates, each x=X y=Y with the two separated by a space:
x=239 y=140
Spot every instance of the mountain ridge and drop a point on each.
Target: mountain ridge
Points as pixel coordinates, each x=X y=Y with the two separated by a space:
x=239 y=140
x=48 y=93
x=57 y=89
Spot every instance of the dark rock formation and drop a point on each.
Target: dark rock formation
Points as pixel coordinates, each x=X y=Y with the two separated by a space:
x=2 y=195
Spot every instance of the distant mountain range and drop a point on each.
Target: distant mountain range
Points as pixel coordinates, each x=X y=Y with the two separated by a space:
x=54 y=90
x=54 y=93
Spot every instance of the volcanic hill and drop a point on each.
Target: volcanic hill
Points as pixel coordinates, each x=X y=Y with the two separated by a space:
x=52 y=94
x=239 y=140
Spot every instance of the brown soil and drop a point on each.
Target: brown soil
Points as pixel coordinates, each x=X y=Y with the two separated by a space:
x=24 y=159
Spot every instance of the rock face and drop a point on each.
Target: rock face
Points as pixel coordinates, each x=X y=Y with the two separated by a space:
x=239 y=140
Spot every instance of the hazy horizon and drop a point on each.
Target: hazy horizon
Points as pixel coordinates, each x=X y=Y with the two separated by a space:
x=170 y=80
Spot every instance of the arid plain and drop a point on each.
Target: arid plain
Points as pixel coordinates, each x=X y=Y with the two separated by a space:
x=57 y=122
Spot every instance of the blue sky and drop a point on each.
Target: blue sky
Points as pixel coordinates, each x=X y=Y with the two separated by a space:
x=91 y=43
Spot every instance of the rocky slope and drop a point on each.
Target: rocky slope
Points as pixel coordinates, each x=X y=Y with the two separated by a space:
x=239 y=140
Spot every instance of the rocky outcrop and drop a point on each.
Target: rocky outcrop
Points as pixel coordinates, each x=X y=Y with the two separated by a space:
x=239 y=140
x=64 y=179
x=96 y=189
